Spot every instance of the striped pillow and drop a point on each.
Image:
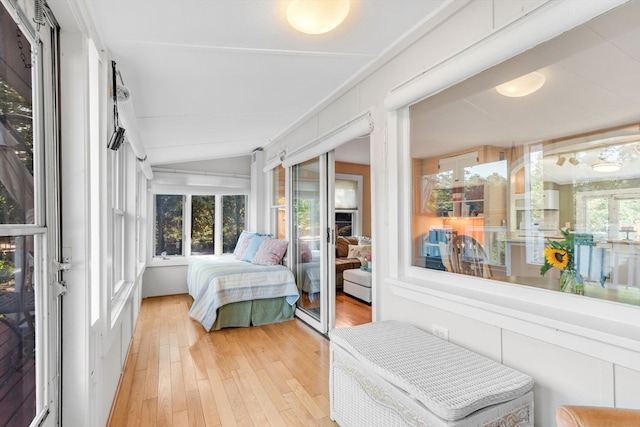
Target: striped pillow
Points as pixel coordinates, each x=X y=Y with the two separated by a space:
x=243 y=242
x=270 y=252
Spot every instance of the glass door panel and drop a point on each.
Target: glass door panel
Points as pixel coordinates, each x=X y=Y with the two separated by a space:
x=310 y=243
x=27 y=245
x=306 y=236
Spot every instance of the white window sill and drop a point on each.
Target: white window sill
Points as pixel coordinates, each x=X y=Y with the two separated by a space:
x=603 y=329
x=169 y=261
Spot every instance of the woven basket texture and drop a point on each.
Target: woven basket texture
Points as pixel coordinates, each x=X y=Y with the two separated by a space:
x=450 y=381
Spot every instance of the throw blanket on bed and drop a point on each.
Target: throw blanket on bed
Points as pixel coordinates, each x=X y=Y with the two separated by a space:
x=214 y=281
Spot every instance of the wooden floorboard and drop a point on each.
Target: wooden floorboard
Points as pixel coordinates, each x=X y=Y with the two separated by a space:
x=177 y=374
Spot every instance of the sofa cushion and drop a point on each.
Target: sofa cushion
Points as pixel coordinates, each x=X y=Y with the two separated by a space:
x=343 y=264
x=342 y=245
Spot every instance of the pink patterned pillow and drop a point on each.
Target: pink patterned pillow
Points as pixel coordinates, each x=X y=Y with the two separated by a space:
x=305 y=252
x=271 y=252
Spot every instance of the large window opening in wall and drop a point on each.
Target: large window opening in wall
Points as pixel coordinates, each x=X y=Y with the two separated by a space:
x=539 y=190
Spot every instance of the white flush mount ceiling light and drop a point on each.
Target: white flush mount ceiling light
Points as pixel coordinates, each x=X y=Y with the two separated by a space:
x=522 y=86
x=606 y=166
x=317 y=16
x=610 y=159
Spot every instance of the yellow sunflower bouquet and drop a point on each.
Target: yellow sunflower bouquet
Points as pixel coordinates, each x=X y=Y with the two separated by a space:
x=560 y=254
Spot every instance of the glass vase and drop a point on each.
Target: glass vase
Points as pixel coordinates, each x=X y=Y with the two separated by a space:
x=570 y=281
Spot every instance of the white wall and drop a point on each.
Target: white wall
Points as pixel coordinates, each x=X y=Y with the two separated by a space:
x=170 y=280
x=92 y=356
x=578 y=352
x=231 y=165
x=75 y=315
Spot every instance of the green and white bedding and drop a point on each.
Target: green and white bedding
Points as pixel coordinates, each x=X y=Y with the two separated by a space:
x=217 y=281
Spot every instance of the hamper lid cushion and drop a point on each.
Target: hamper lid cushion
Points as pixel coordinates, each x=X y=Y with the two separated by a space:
x=450 y=381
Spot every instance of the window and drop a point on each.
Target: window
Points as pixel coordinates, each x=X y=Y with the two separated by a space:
x=495 y=218
x=202 y=224
x=168 y=233
x=233 y=214
x=196 y=225
x=611 y=214
x=348 y=204
x=278 y=199
x=117 y=161
x=504 y=187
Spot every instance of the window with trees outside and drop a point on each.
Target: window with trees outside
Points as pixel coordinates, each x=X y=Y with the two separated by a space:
x=197 y=224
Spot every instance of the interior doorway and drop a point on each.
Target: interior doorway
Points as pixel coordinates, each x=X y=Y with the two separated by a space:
x=352 y=181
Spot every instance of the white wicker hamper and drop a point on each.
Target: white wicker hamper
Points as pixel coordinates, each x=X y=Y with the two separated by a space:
x=393 y=374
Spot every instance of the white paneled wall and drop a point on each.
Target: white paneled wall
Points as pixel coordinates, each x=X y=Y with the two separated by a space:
x=626 y=387
x=562 y=376
x=170 y=280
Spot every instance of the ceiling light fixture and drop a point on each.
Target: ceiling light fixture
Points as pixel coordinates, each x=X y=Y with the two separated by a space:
x=522 y=86
x=574 y=161
x=317 y=16
x=606 y=166
x=561 y=160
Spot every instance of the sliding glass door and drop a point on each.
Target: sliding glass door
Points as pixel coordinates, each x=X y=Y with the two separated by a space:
x=313 y=241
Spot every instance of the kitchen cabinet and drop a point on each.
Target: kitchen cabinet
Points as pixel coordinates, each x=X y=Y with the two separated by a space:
x=466 y=188
x=541 y=200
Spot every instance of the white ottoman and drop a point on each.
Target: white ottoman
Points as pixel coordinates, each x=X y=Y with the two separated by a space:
x=391 y=373
x=357 y=283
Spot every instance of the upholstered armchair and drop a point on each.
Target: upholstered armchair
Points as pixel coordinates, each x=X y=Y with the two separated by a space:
x=595 y=416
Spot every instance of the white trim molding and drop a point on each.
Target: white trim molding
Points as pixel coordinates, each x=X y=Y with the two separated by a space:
x=603 y=329
x=359 y=126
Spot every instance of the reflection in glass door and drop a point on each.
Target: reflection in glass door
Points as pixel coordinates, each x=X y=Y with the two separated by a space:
x=309 y=236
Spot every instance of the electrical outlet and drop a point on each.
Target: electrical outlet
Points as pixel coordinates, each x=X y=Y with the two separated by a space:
x=440 y=332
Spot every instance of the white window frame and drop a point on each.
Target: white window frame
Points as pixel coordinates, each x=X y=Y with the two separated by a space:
x=356 y=228
x=274 y=207
x=614 y=197
x=155 y=260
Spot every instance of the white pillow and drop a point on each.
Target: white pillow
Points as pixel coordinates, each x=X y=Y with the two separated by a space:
x=359 y=251
x=364 y=240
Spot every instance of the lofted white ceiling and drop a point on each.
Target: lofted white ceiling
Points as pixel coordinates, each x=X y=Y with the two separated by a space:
x=217 y=79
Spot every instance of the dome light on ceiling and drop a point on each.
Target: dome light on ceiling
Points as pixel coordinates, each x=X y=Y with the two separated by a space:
x=522 y=86
x=317 y=16
x=606 y=166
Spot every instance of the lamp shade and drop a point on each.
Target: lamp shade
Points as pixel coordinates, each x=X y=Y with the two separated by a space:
x=317 y=16
x=606 y=166
x=522 y=86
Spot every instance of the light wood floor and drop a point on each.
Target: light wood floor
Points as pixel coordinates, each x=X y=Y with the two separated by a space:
x=350 y=311
x=176 y=374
